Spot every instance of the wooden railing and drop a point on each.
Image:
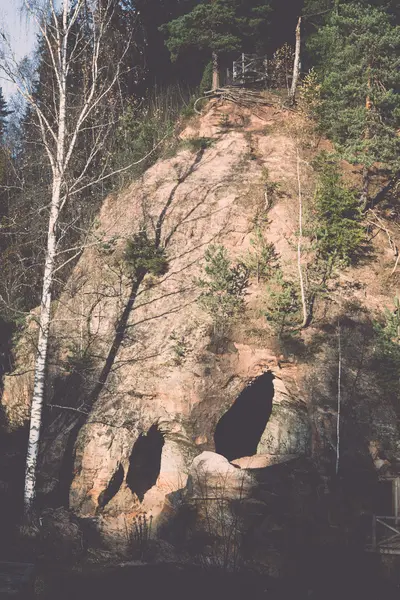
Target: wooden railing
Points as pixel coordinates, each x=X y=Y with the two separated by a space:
x=249 y=64
x=386 y=534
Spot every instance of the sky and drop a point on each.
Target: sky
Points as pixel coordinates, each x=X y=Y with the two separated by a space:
x=20 y=32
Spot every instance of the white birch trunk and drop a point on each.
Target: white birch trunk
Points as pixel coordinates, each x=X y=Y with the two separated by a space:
x=299 y=244
x=45 y=305
x=296 y=66
x=59 y=134
x=41 y=357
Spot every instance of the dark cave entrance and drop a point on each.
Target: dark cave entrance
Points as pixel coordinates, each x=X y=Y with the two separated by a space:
x=239 y=430
x=145 y=462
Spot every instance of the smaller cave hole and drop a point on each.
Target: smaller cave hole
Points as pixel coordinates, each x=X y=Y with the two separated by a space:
x=239 y=430
x=145 y=462
x=113 y=487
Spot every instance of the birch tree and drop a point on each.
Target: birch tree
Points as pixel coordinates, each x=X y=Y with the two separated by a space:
x=75 y=37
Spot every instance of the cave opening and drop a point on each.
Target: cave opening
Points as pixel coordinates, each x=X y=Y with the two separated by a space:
x=239 y=430
x=113 y=487
x=145 y=462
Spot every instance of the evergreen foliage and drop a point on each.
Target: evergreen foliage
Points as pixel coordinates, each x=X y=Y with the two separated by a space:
x=387 y=348
x=283 y=312
x=223 y=289
x=262 y=259
x=357 y=53
x=336 y=219
x=142 y=256
x=218 y=26
x=196 y=144
x=206 y=80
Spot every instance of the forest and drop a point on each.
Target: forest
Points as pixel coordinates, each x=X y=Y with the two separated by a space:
x=199 y=258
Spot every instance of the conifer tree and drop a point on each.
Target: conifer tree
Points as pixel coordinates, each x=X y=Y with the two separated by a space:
x=217 y=26
x=357 y=52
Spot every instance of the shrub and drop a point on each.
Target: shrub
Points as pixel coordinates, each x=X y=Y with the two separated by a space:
x=179 y=348
x=195 y=144
x=283 y=305
x=262 y=259
x=387 y=348
x=224 y=288
x=143 y=125
x=79 y=361
x=142 y=255
x=206 y=80
x=281 y=67
x=140 y=536
x=336 y=220
x=310 y=94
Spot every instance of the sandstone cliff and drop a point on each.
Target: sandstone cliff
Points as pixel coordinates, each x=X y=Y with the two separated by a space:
x=125 y=447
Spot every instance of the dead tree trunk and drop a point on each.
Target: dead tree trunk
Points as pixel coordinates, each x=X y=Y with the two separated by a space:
x=296 y=66
x=365 y=171
x=215 y=71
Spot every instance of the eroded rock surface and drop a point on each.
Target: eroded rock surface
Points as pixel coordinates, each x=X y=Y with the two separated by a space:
x=170 y=386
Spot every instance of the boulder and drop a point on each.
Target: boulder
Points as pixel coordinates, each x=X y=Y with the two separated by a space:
x=212 y=476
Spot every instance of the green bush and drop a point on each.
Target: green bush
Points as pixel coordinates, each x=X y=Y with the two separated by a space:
x=195 y=144
x=179 y=348
x=143 y=125
x=223 y=289
x=206 y=80
x=387 y=349
x=262 y=259
x=142 y=256
x=336 y=219
x=284 y=305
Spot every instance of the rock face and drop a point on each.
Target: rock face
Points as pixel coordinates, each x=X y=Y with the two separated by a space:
x=196 y=199
x=147 y=415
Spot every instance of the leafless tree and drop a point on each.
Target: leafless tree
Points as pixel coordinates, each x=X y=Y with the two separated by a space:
x=75 y=38
x=296 y=66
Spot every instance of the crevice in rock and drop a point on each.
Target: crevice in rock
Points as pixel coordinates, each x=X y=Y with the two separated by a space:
x=239 y=430
x=145 y=462
x=113 y=487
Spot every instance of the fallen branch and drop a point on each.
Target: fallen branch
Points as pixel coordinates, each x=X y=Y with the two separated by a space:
x=379 y=224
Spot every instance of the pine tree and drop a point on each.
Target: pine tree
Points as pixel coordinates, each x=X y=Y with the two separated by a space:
x=357 y=53
x=218 y=26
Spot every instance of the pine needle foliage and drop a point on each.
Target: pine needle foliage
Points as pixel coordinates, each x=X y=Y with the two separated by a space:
x=262 y=259
x=283 y=312
x=387 y=348
x=357 y=55
x=218 y=26
x=142 y=255
x=337 y=217
x=223 y=288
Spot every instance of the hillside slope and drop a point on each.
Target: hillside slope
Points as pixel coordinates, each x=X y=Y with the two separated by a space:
x=120 y=447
